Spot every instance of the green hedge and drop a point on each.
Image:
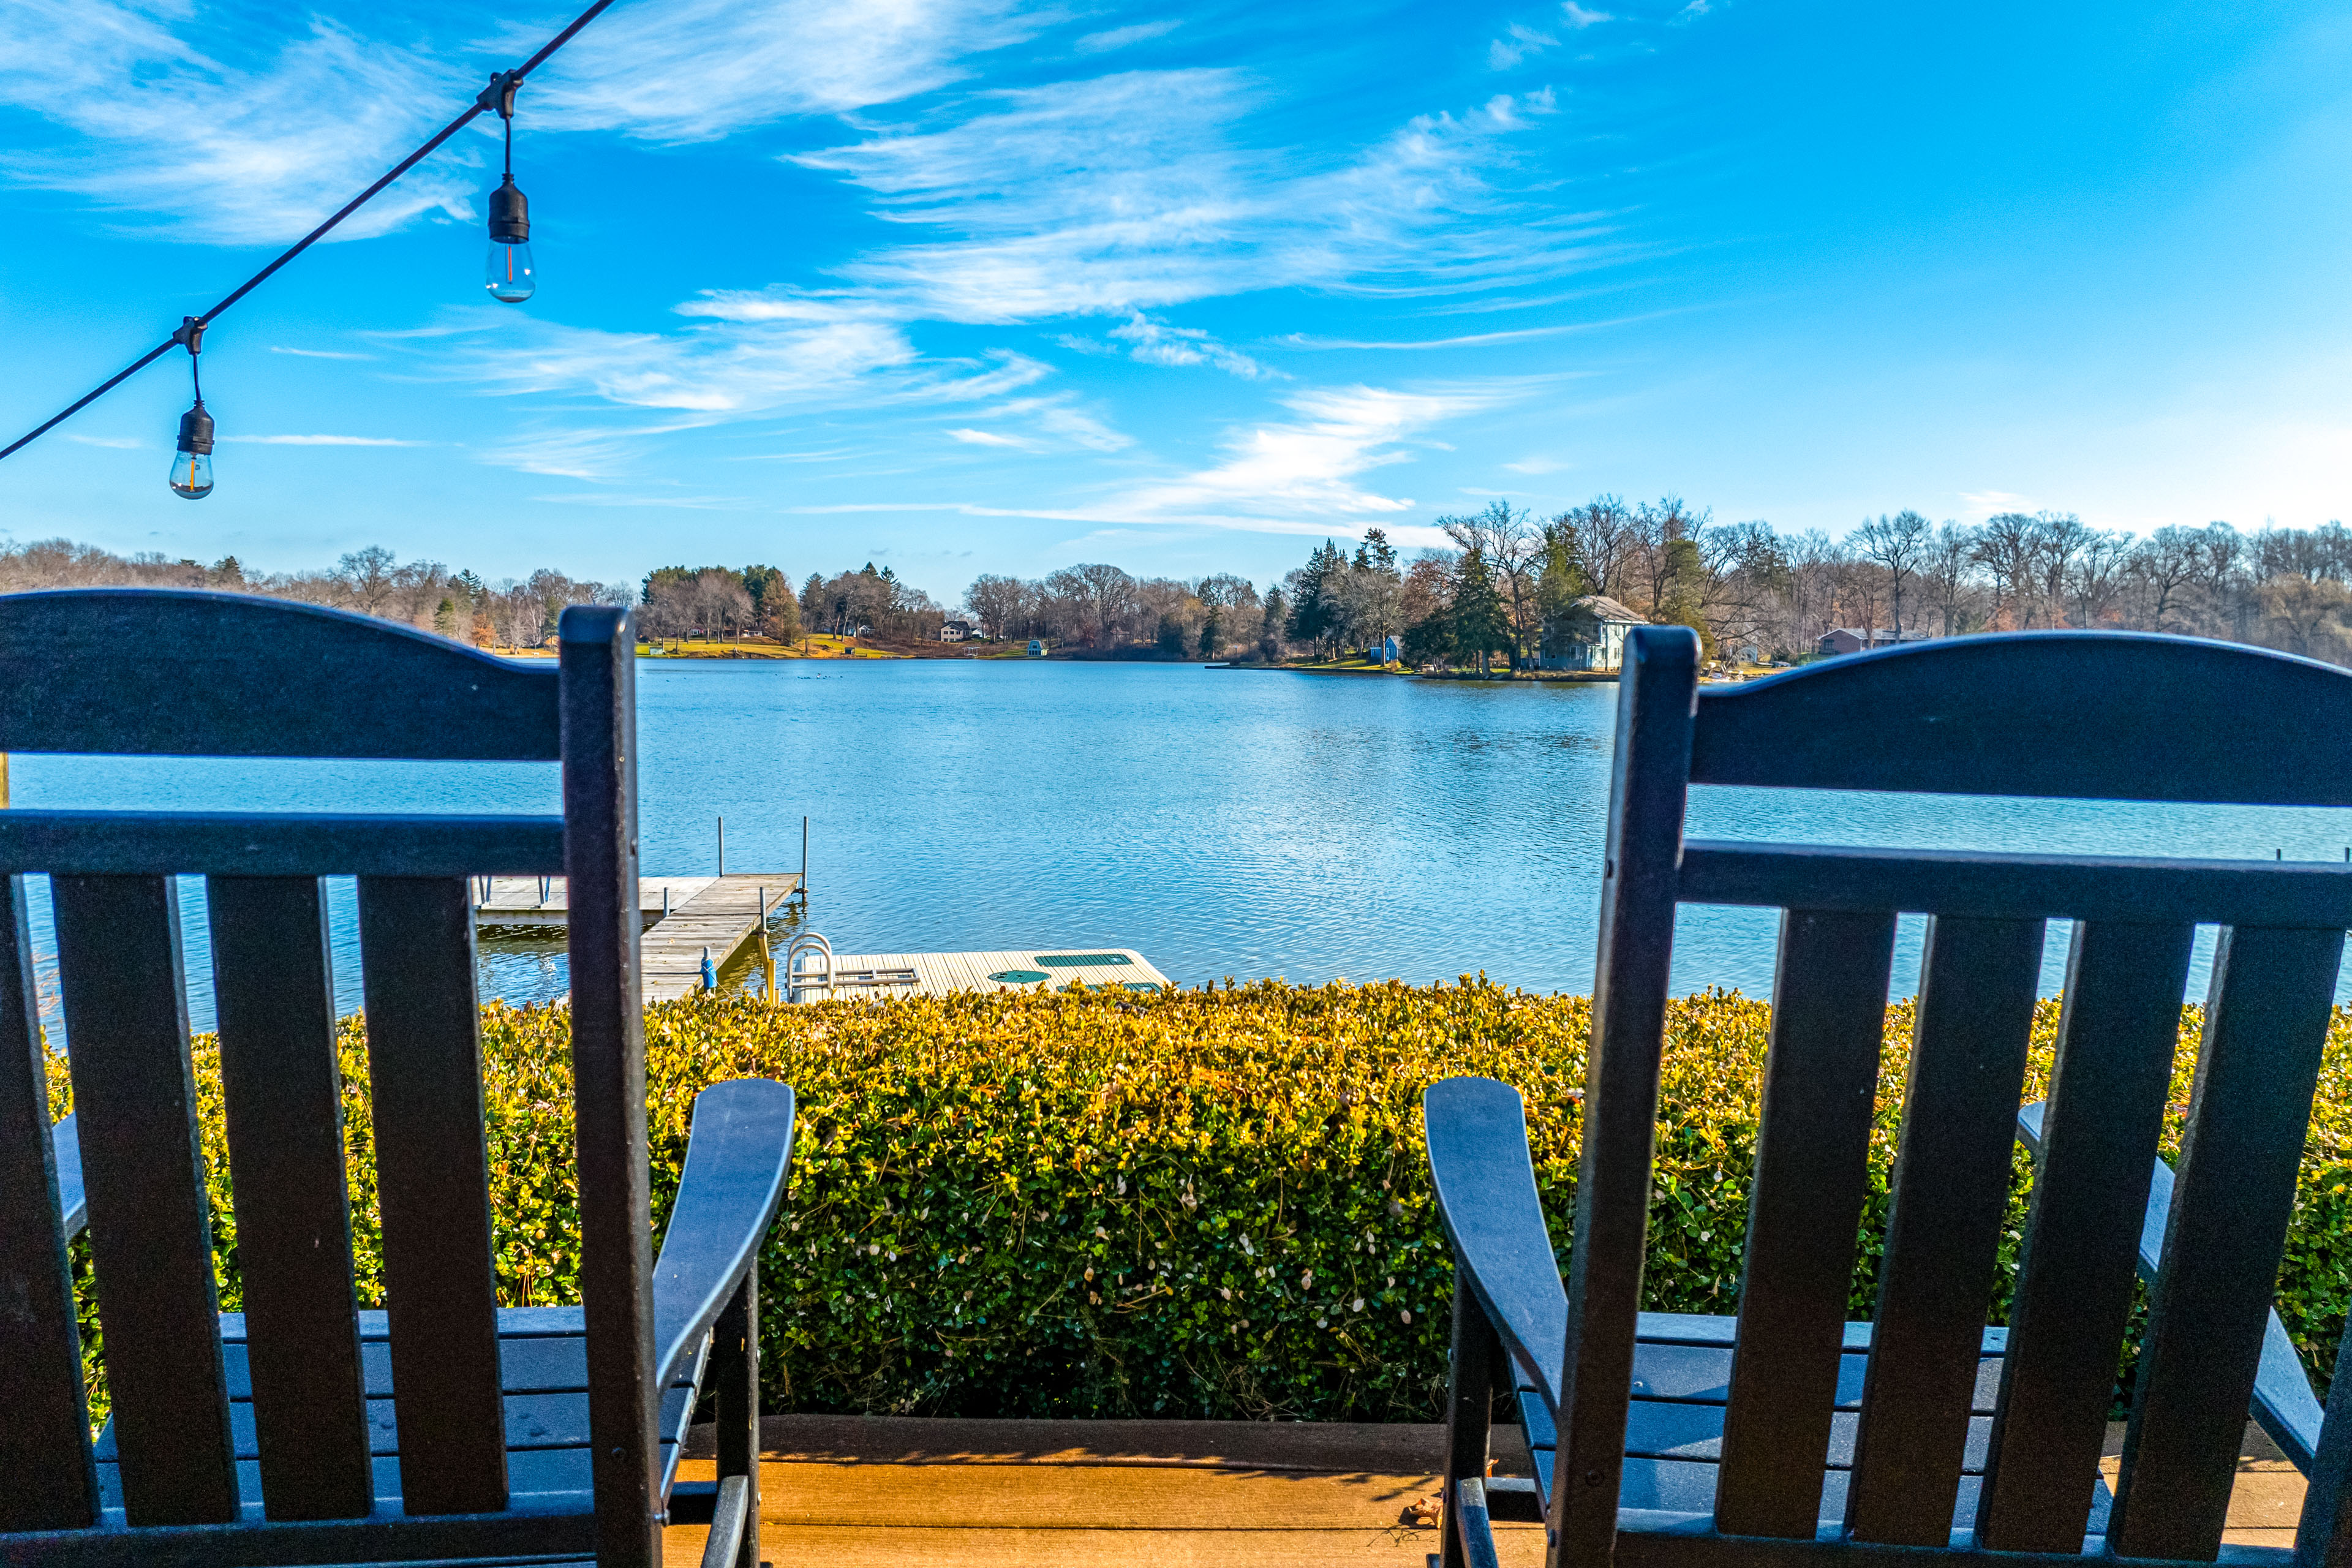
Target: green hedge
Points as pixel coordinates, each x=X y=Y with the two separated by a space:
x=1200 y=1205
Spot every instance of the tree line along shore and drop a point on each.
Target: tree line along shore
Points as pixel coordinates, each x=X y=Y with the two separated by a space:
x=1498 y=596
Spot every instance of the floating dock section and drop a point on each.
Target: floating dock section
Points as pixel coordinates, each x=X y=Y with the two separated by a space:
x=873 y=975
x=683 y=916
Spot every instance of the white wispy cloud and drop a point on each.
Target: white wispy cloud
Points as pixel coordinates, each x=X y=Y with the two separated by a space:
x=1535 y=466
x=323 y=441
x=1306 y=472
x=119 y=443
x=682 y=499
x=217 y=149
x=1120 y=37
x=694 y=70
x=1504 y=53
x=316 y=353
x=1298 y=476
x=992 y=439
x=1580 y=17
x=1156 y=343
x=1470 y=340
x=200 y=134
x=1132 y=192
x=1982 y=504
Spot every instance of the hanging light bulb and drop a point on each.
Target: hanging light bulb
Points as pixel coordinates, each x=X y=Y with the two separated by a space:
x=509 y=274
x=191 y=465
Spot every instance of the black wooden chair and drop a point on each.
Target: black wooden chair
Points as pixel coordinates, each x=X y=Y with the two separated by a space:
x=1788 y=1435
x=303 y=1430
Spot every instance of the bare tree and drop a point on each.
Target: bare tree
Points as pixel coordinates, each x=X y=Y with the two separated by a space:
x=368 y=575
x=1603 y=527
x=1899 y=544
x=2164 y=569
x=1944 y=574
x=2006 y=549
x=2096 y=578
x=995 y=602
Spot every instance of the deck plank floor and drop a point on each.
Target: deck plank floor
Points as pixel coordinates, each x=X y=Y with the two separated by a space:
x=864 y=1492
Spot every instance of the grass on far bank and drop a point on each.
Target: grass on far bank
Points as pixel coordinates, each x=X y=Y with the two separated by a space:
x=815 y=646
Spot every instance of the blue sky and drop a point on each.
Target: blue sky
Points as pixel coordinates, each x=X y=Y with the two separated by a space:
x=981 y=285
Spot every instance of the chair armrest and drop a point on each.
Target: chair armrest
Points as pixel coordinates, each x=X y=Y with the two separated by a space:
x=1468 y=1517
x=73 y=1209
x=2283 y=1406
x=1485 y=1183
x=736 y=1157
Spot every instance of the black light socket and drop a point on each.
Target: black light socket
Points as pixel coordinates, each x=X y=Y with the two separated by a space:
x=196 y=430
x=509 y=215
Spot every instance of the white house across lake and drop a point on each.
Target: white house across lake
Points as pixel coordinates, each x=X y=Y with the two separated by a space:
x=1592 y=635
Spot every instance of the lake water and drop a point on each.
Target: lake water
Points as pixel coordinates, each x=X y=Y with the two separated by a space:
x=1224 y=823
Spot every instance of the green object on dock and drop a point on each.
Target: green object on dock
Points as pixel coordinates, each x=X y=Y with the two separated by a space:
x=1080 y=960
x=1021 y=976
x=1150 y=987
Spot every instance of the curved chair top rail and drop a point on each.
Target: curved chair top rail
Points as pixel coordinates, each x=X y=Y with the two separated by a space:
x=2071 y=715
x=174 y=672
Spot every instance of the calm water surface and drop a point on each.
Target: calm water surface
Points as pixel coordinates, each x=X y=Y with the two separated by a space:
x=1224 y=823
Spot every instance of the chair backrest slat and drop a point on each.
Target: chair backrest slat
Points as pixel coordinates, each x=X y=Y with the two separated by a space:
x=1949 y=1194
x=608 y=1056
x=142 y=1167
x=45 y=1450
x=2117 y=1032
x=425 y=1072
x=1812 y=1149
x=2266 y=1024
x=1646 y=805
x=2322 y=1537
x=282 y=1091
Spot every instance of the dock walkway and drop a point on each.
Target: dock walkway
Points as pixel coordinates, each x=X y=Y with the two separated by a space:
x=867 y=976
x=683 y=914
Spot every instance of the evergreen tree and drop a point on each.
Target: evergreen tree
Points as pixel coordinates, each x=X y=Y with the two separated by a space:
x=1481 y=624
x=1213 y=630
x=1278 y=615
x=1429 y=639
x=1563 y=581
x=767 y=587
x=1683 y=592
x=1311 y=609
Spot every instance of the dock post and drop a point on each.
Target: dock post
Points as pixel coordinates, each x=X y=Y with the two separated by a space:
x=2348 y=855
x=709 y=973
x=768 y=965
x=722 y=847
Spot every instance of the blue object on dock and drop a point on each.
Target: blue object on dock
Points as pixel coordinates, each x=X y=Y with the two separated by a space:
x=709 y=973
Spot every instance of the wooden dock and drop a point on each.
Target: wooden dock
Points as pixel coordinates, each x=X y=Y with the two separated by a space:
x=867 y=976
x=683 y=915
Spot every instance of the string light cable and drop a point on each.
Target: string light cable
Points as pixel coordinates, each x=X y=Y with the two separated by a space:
x=496 y=98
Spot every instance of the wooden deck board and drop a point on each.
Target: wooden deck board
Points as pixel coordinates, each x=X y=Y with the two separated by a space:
x=871 y=1491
